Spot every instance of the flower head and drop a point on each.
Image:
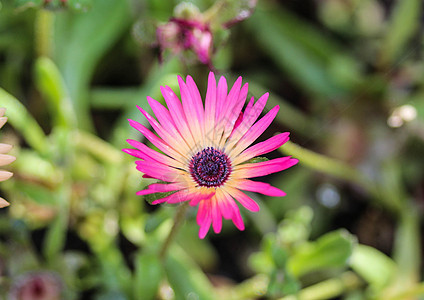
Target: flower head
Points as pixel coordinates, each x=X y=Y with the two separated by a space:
x=205 y=150
x=186 y=34
x=39 y=285
x=4 y=158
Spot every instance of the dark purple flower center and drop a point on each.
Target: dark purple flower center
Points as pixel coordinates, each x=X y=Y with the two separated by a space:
x=210 y=167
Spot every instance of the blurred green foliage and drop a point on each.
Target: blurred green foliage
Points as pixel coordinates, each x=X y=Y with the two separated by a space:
x=348 y=76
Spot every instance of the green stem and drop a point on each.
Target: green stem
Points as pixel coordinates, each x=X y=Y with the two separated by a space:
x=410 y=293
x=179 y=217
x=328 y=289
x=44 y=33
x=332 y=167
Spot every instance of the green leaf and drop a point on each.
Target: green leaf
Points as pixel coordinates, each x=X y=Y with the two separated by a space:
x=55 y=238
x=155 y=220
x=148 y=274
x=332 y=250
x=111 y=98
x=305 y=59
x=37 y=193
x=111 y=295
x=256 y=160
x=404 y=22
x=80 y=5
x=20 y=118
x=81 y=40
x=375 y=267
x=186 y=279
x=50 y=83
x=33 y=165
x=23 y=4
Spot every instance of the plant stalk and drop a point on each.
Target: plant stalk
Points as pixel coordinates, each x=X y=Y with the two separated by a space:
x=179 y=217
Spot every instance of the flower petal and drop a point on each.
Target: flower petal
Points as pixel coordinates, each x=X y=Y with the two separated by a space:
x=160 y=188
x=256 y=186
x=254 y=132
x=160 y=171
x=263 y=168
x=152 y=154
x=164 y=147
x=210 y=108
x=6 y=159
x=3 y=203
x=180 y=120
x=192 y=111
x=4 y=148
x=216 y=216
x=200 y=194
x=3 y=121
x=262 y=148
x=250 y=115
x=168 y=124
x=170 y=140
x=204 y=218
x=221 y=96
x=177 y=197
x=4 y=175
x=224 y=206
x=243 y=199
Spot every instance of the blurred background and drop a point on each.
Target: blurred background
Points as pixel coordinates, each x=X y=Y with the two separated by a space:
x=349 y=78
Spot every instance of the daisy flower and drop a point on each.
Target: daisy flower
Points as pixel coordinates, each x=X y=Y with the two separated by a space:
x=4 y=158
x=205 y=149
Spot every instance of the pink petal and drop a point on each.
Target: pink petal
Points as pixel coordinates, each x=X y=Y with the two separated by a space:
x=202 y=212
x=221 y=98
x=204 y=218
x=263 y=147
x=200 y=195
x=159 y=188
x=178 y=115
x=216 y=216
x=162 y=114
x=222 y=202
x=243 y=199
x=250 y=115
x=204 y=227
x=241 y=118
x=165 y=119
x=264 y=168
x=210 y=107
x=164 y=147
x=181 y=148
x=191 y=109
x=236 y=218
x=146 y=151
x=255 y=131
x=159 y=171
x=258 y=187
x=177 y=197
x=196 y=99
x=232 y=109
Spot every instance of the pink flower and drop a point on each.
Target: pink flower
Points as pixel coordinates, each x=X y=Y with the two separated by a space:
x=181 y=34
x=205 y=150
x=4 y=158
x=40 y=285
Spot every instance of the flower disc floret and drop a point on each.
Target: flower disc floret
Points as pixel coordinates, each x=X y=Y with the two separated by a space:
x=210 y=167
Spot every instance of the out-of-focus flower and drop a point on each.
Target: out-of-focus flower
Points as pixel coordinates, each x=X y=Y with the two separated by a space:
x=188 y=31
x=191 y=30
x=4 y=158
x=206 y=154
x=40 y=285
